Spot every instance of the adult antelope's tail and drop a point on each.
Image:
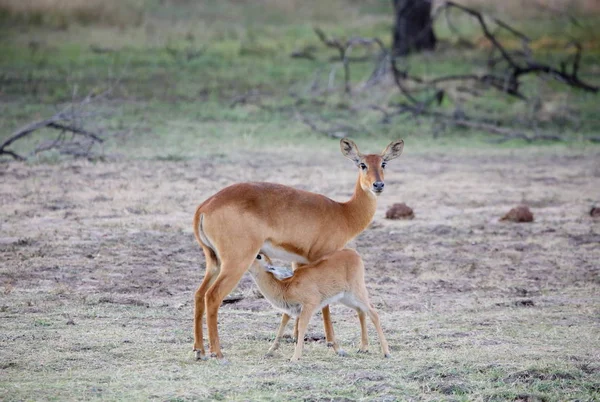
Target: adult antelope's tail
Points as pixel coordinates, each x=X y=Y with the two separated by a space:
x=202 y=238
x=197 y=217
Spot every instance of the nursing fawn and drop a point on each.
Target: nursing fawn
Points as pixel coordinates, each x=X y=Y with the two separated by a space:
x=337 y=277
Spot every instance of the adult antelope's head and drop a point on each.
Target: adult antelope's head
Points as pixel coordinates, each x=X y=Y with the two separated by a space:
x=371 y=166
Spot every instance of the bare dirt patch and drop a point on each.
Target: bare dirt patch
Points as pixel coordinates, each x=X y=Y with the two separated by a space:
x=99 y=265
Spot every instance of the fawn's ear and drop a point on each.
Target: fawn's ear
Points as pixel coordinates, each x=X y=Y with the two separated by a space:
x=393 y=150
x=350 y=150
x=280 y=273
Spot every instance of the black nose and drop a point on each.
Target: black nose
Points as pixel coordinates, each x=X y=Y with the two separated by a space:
x=378 y=185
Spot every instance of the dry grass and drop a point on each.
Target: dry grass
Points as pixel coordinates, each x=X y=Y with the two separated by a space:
x=99 y=266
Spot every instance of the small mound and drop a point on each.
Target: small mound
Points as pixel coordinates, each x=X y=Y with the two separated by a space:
x=399 y=211
x=595 y=212
x=518 y=214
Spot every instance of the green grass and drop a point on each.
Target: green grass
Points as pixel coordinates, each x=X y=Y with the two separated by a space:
x=186 y=62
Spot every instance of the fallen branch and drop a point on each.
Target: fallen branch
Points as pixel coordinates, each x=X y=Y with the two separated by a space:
x=64 y=121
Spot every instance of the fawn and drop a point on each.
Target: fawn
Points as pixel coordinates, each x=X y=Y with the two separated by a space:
x=337 y=277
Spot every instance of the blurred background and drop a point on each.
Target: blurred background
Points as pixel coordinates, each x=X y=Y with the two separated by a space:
x=274 y=72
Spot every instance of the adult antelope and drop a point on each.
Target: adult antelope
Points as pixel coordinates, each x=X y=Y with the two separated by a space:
x=337 y=277
x=236 y=223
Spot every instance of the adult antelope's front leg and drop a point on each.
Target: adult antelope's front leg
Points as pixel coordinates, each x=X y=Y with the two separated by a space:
x=329 y=334
x=230 y=275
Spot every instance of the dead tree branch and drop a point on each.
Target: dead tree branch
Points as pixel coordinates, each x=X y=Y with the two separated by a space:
x=516 y=70
x=344 y=49
x=505 y=72
x=66 y=120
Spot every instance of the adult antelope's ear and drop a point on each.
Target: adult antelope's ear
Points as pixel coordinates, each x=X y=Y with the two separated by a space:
x=393 y=150
x=350 y=150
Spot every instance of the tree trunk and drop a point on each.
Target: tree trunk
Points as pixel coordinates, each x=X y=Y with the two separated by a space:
x=413 y=30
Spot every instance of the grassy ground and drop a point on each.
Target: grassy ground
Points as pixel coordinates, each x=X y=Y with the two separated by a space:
x=98 y=263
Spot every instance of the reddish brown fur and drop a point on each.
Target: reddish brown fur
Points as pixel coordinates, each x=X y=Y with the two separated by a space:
x=240 y=218
x=290 y=248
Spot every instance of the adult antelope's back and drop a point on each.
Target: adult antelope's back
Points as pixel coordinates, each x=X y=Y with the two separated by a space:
x=236 y=223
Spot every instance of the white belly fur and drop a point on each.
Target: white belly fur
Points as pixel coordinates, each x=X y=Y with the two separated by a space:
x=281 y=254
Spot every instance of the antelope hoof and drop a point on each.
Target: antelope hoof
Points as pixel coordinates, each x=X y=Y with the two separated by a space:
x=362 y=350
x=387 y=355
x=294 y=359
x=200 y=355
x=217 y=355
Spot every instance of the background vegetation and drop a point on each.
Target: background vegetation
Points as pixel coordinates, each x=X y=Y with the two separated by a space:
x=177 y=67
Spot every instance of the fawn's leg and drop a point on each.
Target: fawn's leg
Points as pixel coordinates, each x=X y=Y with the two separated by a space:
x=284 y=320
x=303 y=319
x=296 y=330
x=364 y=338
x=329 y=334
x=375 y=318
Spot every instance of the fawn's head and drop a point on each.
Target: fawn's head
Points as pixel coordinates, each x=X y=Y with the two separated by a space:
x=263 y=262
x=372 y=166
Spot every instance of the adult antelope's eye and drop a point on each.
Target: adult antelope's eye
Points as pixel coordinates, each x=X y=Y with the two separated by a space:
x=259 y=257
x=363 y=166
x=383 y=165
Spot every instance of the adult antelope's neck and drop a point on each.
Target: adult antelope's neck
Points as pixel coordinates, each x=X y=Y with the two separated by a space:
x=360 y=209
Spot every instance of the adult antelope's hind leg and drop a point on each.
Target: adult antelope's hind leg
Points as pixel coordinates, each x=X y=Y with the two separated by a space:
x=284 y=320
x=229 y=276
x=212 y=269
x=329 y=334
